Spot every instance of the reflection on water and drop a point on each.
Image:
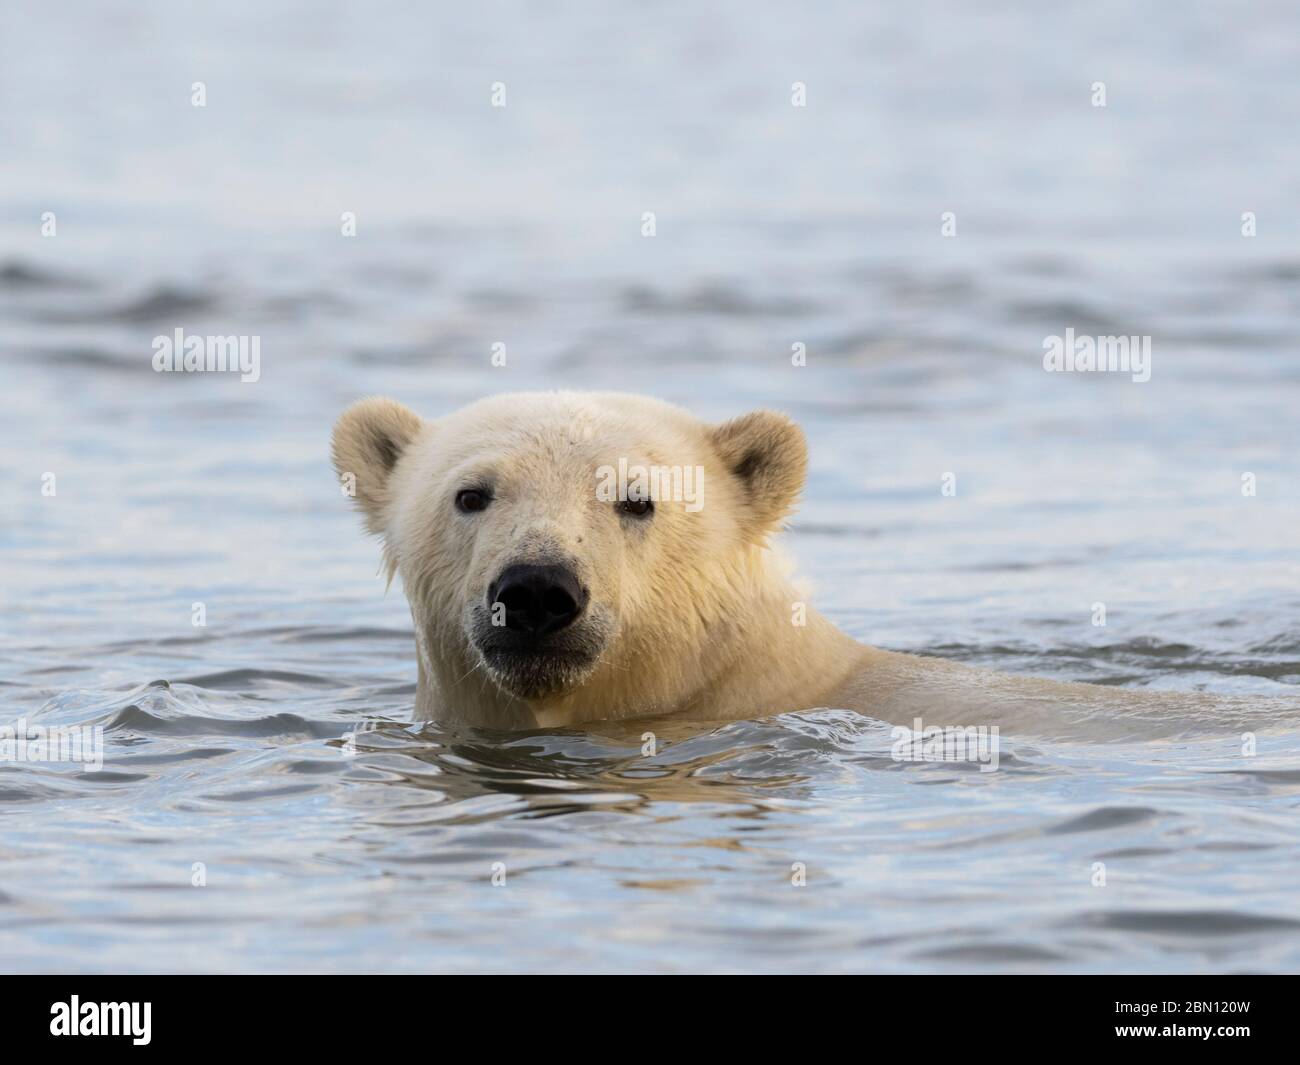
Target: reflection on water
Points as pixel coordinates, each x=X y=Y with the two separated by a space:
x=334 y=826
x=265 y=801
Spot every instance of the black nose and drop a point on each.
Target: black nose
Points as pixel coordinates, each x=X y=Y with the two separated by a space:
x=538 y=600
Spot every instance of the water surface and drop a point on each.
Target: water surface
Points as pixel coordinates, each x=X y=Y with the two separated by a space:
x=274 y=745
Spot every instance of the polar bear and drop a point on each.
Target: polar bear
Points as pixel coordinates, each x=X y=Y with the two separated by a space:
x=578 y=557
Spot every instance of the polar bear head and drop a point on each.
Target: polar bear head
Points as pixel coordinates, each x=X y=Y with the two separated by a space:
x=571 y=556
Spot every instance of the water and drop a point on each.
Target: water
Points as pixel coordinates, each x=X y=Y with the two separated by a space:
x=227 y=744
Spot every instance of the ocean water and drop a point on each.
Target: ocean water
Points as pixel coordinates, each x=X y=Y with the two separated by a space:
x=266 y=802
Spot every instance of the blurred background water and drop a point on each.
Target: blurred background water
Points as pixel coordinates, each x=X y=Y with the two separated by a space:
x=521 y=225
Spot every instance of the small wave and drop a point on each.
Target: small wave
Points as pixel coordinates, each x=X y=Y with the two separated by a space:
x=94 y=359
x=1104 y=818
x=341 y=634
x=1286 y=271
x=993 y=953
x=164 y=304
x=16 y=275
x=285 y=726
x=240 y=679
x=161 y=708
x=714 y=299
x=1082 y=317
x=1195 y=923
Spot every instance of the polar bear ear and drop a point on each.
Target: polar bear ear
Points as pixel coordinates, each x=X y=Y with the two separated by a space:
x=767 y=453
x=368 y=440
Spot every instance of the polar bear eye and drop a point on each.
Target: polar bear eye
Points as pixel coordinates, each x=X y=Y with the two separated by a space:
x=470 y=500
x=638 y=508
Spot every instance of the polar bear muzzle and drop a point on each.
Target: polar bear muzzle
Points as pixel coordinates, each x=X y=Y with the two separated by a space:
x=536 y=636
x=535 y=601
